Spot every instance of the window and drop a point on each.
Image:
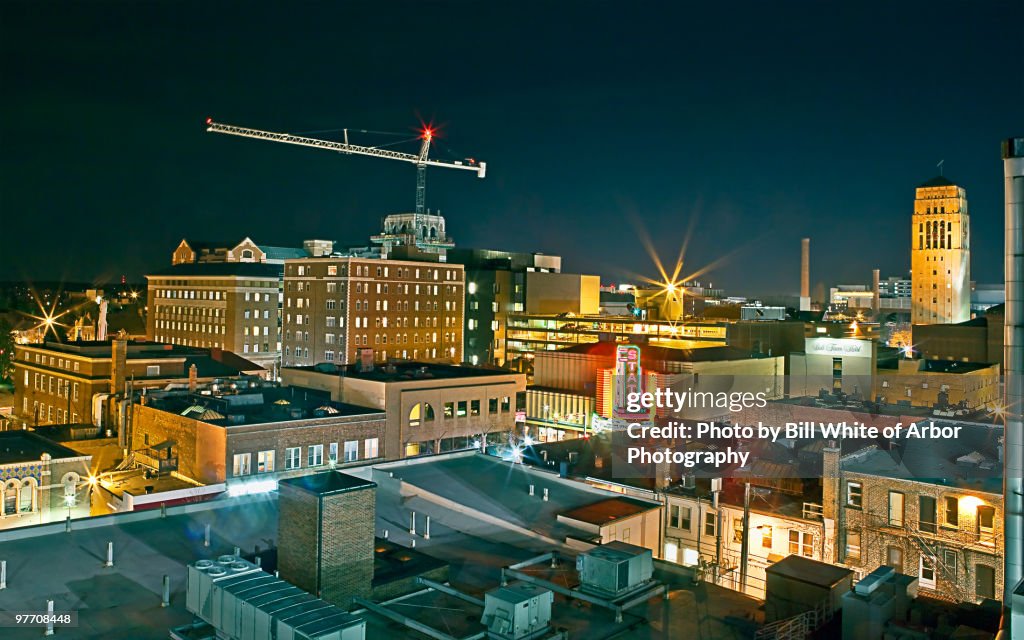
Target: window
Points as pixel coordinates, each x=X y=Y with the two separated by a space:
x=242 y=464
x=894 y=558
x=986 y=520
x=492 y=405
x=926 y=514
x=506 y=404
x=474 y=407
x=853 y=545
x=679 y=517
x=315 y=455
x=926 y=571
x=737 y=530
x=370 y=448
x=462 y=409
x=766 y=536
x=265 y=461
x=710 y=522
x=449 y=410
x=896 y=509
x=952 y=511
x=332 y=452
x=351 y=450
x=854 y=494
x=292 y=458
x=801 y=543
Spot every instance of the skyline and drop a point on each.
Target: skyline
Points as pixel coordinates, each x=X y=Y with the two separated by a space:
x=764 y=136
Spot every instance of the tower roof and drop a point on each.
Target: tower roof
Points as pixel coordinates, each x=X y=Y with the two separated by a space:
x=937 y=181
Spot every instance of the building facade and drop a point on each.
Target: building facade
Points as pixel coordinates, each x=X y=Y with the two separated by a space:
x=940 y=254
x=235 y=437
x=75 y=382
x=431 y=408
x=946 y=532
x=41 y=480
x=334 y=308
x=230 y=305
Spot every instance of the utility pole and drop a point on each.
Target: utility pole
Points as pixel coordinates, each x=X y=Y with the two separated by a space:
x=745 y=545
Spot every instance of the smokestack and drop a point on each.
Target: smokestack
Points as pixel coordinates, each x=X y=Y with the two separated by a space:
x=193 y=378
x=1013 y=358
x=876 y=300
x=805 y=274
x=101 y=323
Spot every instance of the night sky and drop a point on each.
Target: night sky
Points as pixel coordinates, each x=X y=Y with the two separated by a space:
x=760 y=122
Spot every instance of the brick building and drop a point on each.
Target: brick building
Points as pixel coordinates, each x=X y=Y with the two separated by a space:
x=233 y=435
x=228 y=305
x=73 y=382
x=402 y=310
x=431 y=408
x=326 y=527
x=41 y=481
x=930 y=508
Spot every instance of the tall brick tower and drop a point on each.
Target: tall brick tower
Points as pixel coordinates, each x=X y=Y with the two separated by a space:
x=326 y=535
x=940 y=255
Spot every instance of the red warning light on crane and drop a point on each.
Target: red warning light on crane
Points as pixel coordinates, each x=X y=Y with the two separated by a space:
x=209 y=121
x=428 y=133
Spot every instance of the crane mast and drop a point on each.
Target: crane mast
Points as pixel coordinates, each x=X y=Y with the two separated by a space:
x=421 y=160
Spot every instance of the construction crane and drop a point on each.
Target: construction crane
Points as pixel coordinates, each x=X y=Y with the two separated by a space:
x=421 y=160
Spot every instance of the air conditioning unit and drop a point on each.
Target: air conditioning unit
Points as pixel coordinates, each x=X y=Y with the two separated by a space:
x=518 y=611
x=689 y=481
x=614 y=569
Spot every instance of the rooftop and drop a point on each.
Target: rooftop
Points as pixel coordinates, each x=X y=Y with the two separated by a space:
x=258 y=402
x=937 y=181
x=810 y=571
x=240 y=269
x=654 y=353
x=328 y=483
x=26 y=446
x=970 y=461
x=610 y=510
x=405 y=371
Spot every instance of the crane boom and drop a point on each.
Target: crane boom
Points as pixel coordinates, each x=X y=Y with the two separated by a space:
x=420 y=160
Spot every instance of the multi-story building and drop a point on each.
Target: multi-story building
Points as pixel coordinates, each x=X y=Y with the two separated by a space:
x=707 y=533
x=218 y=435
x=930 y=508
x=940 y=254
x=431 y=408
x=76 y=382
x=398 y=310
x=41 y=481
x=227 y=305
x=495 y=287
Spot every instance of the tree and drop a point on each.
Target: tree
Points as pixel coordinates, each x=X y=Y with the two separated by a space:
x=6 y=350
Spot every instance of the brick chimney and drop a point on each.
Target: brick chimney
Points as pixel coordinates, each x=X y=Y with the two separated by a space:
x=193 y=378
x=118 y=364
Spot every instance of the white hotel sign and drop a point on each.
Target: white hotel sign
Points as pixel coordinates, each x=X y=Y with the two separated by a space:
x=838 y=347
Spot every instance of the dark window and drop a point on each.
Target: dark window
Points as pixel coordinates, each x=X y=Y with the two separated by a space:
x=926 y=514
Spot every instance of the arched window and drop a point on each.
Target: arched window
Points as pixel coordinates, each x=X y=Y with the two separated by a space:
x=246 y=254
x=26 y=501
x=414 y=416
x=10 y=503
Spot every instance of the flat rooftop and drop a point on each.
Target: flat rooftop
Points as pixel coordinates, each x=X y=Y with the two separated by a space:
x=137 y=484
x=405 y=371
x=499 y=490
x=123 y=601
x=26 y=446
x=328 y=483
x=809 y=571
x=610 y=510
x=259 y=403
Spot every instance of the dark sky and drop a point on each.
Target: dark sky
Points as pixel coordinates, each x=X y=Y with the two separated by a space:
x=761 y=122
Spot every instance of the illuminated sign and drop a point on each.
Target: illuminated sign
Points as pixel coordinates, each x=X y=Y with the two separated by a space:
x=628 y=378
x=838 y=347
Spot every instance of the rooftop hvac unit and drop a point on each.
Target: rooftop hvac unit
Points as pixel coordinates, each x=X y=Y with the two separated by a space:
x=614 y=569
x=241 y=601
x=517 y=612
x=873 y=580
